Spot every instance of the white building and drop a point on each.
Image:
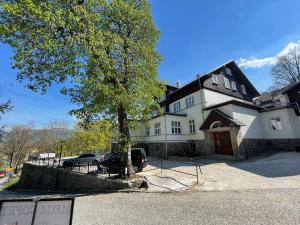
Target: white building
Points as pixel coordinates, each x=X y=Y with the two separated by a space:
x=222 y=113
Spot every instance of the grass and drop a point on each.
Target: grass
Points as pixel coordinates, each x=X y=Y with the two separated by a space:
x=12 y=184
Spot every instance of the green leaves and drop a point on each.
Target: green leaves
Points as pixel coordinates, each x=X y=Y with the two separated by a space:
x=102 y=51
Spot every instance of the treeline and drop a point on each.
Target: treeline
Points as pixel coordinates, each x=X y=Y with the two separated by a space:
x=22 y=140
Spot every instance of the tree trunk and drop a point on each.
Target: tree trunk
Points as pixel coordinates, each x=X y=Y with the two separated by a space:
x=125 y=143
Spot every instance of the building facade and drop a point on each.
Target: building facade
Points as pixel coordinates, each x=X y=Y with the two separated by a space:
x=222 y=113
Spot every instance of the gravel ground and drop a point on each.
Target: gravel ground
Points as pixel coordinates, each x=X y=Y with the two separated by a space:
x=227 y=207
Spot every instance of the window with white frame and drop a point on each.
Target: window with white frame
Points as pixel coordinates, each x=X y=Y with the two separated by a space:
x=148 y=131
x=243 y=89
x=276 y=123
x=157 y=128
x=189 y=102
x=192 y=126
x=176 y=106
x=176 y=127
x=226 y=83
x=214 y=79
x=228 y=71
x=233 y=85
x=162 y=98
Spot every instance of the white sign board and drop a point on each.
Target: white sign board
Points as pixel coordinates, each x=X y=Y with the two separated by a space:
x=16 y=213
x=43 y=212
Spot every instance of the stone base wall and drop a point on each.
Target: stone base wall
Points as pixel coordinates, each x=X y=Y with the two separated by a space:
x=284 y=144
x=37 y=177
x=253 y=147
x=245 y=149
x=164 y=149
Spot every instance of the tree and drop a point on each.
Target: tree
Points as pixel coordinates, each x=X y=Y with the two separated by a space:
x=96 y=138
x=16 y=145
x=286 y=70
x=4 y=108
x=103 y=51
x=57 y=131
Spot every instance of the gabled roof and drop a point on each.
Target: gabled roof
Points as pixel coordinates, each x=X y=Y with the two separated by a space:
x=268 y=96
x=217 y=115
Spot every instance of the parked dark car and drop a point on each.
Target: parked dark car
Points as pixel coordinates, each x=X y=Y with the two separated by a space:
x=113 y=161
x=84 y=159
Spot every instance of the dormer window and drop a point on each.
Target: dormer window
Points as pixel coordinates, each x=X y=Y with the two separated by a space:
x=226 y=83
x=228 y=71
x=233 y=86
x=214 y=79
x=244 y=89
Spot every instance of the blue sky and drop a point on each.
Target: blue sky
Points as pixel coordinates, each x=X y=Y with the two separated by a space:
x=196 y=36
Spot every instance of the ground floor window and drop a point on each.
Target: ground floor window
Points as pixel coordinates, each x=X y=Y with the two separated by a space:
x=176 y=127
x=148 y=131
x=276 y=123
x=157 y=129
x=192 y=126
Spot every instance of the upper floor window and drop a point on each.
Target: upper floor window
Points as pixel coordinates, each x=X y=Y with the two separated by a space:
x=157 y=128
x=233 y=85
x=176 y=106
x=148 y=131
x=276 y=123
x=214 y=79
x=243 y=89
x=226 y=83
x=162 y=98
x=176 y=127
x=192 y=126
x=228 y=71
x=189 y=102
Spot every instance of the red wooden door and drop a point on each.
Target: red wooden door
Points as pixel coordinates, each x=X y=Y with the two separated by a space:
x=223 y=143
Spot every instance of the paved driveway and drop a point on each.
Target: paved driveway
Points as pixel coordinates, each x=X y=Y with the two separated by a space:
x=281 y=170
x=191 y=208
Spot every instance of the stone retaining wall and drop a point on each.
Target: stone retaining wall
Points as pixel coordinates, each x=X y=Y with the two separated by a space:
x=37 y=177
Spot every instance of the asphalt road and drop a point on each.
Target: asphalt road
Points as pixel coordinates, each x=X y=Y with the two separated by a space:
x=280 y=206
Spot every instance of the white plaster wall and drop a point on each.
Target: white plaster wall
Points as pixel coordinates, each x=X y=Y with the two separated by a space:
x=213 y=98
x=253 y=128
x=289 y=122
x=193 y=113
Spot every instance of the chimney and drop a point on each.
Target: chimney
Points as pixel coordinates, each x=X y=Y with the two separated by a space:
x=198 y=76
x=178 y=85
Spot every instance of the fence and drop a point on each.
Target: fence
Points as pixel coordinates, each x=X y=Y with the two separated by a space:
x=160 y=164
x=95 y=170
x=80 y=167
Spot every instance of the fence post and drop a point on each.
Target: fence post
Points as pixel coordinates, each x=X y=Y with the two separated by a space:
x=61 y=147
x=160 y=160
x=197 y=175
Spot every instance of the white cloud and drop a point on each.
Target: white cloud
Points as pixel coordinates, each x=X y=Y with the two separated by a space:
x=253 y=62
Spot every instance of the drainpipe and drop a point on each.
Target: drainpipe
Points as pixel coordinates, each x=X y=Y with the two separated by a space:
x=202 y=107
x=166 y=140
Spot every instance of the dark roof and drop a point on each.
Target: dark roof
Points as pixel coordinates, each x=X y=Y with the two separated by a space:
x=234 y=102
x=217 y=115
x=268 y=96
x=195 y=85
x=171 y=114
